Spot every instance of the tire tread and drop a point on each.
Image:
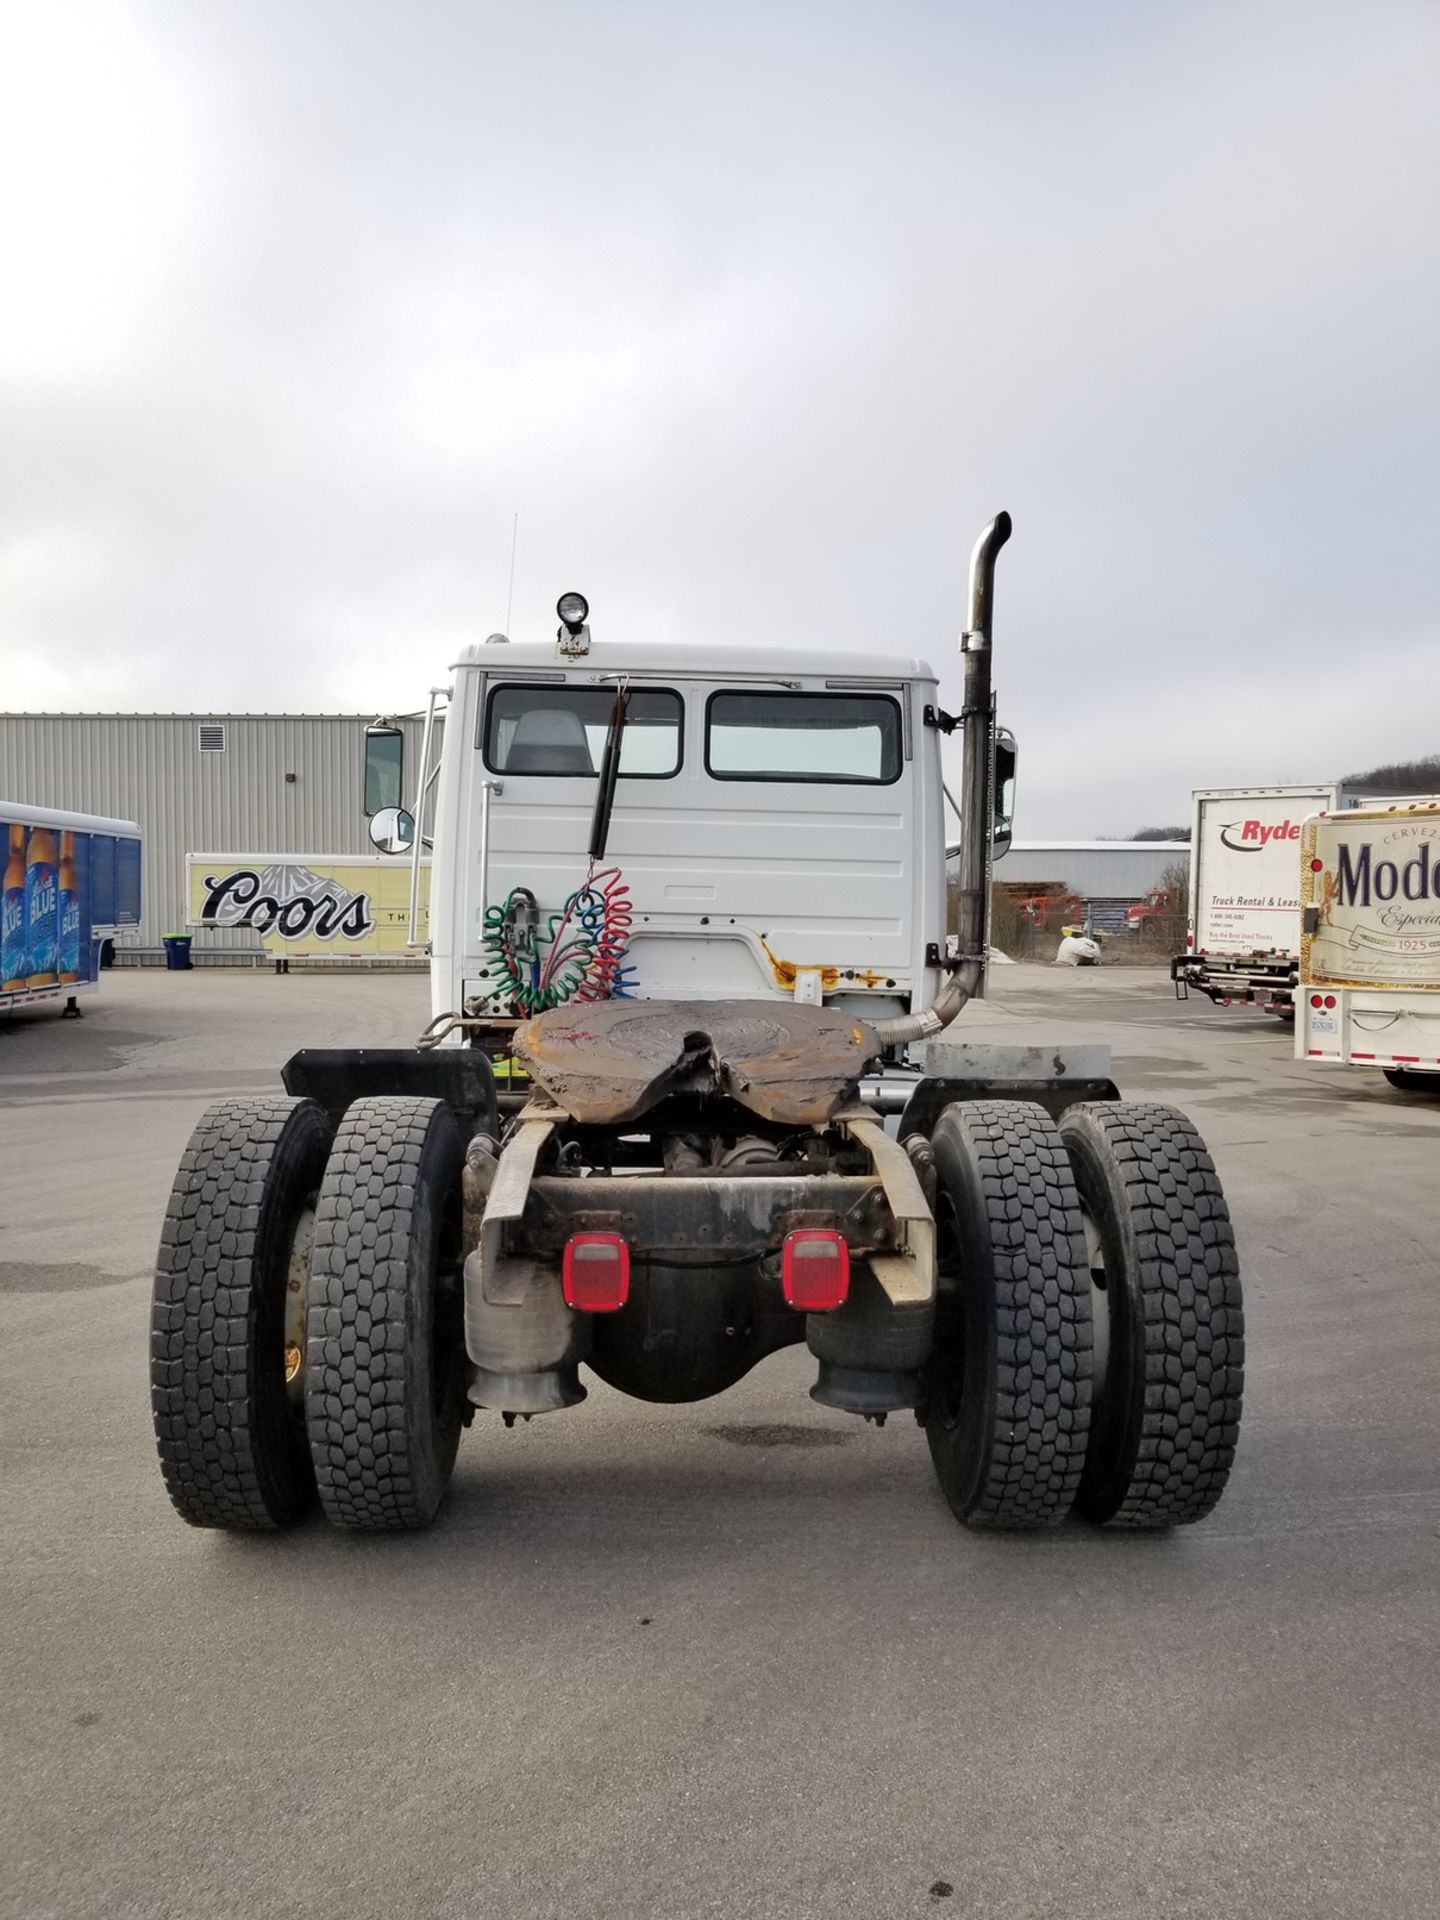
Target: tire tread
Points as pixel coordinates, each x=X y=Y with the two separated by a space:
x=1193 y=1315
x=1037 y=1439
x=360 y=1390
x=203 y=1311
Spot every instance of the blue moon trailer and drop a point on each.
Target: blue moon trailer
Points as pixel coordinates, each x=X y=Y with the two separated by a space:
x=72 y=880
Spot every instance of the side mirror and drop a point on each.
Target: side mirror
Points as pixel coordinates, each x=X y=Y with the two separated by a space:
x=392 y=829
x=1002 y=829
x=384 y=768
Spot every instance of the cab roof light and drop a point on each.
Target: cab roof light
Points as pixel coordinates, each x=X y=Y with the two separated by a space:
x=815 y=1270
x=574 y=611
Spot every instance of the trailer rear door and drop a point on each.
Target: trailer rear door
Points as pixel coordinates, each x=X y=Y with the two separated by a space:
x=1372 y=888
x=1245 y=867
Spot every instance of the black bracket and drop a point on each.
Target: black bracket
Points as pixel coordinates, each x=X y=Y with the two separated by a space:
x=460 y=1076
x=931 y=1097
x=935 y=956
x=937 y=717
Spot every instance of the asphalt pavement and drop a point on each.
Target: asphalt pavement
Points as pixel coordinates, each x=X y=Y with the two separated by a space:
x=735 y=1658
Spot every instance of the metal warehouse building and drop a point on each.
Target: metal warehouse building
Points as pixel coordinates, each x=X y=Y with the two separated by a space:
x=1095 y=869
x=201 y=783
x=1109 y=876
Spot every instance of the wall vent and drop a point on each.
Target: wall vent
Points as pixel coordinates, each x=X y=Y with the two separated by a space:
x=212 y=739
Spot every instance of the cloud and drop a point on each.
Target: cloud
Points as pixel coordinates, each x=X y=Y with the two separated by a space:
x=755 y=318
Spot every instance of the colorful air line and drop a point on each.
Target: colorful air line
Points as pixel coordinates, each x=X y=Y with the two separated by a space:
x=584 y=947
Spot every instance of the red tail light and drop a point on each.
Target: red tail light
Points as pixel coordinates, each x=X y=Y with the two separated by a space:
x=815 y=1270
x=596 y=1273
x=1329 y=999
x=1316 y=1001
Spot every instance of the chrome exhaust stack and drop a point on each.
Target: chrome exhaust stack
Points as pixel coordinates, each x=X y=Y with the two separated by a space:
x=976 y=802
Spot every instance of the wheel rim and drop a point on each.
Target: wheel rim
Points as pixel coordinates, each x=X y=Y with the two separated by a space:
x=1099 y=1304
x=947 y=1366
x=293 y=1358
x=447 y=1334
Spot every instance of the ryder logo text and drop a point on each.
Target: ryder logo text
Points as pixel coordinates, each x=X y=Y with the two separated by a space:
x=1249 y=836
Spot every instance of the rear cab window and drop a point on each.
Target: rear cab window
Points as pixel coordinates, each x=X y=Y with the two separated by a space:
x=558 y=732
x=852 y=739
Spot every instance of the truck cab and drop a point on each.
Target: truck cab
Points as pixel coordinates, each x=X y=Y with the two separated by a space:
x=776 y=829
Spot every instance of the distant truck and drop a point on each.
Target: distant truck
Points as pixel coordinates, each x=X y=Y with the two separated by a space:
x=1154 y=906
x=1370 y=941
x=70 y=880
x=1043 y=908
x=1242 y=947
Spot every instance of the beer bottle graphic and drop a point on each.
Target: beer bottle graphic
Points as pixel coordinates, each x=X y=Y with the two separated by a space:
x=13 y=964
x=41 y=908
x=67 y=945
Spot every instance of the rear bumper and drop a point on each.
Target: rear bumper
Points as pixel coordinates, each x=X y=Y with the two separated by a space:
x=1368 y=1028
x=1252 y=979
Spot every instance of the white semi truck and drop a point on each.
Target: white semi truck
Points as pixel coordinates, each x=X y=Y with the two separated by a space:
x=1242 y=945
x=688 y=953
x=1369 y=988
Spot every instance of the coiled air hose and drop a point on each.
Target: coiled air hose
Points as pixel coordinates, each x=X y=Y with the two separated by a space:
x=581 y=955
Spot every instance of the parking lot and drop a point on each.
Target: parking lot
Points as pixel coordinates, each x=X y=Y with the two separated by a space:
x=732 y=1658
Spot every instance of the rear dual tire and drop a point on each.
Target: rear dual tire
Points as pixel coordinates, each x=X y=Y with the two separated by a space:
x=306 y=1330
x=229 y=1429
x=1089 y=1345
x=384 y=1374
x=1413 y=1080
x=1166 y=1415
x=1006 y=1393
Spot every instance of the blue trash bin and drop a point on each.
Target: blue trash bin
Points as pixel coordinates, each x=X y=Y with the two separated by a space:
x=177 y=953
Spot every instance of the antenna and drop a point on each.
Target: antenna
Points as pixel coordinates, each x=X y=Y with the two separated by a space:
x=514 y=541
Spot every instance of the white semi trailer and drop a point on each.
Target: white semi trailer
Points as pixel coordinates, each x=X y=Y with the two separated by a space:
x=1242 y=945
x=1369 y=991
x=689 y=908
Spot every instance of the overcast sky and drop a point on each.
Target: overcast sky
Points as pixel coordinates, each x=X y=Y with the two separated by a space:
x=754 y=314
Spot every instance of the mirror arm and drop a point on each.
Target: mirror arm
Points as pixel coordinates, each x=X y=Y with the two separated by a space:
x=422 y=788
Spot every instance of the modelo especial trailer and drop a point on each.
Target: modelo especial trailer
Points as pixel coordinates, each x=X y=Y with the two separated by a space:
x=1369 y=992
